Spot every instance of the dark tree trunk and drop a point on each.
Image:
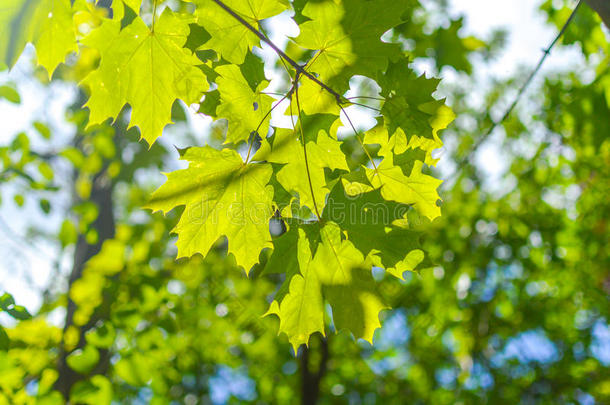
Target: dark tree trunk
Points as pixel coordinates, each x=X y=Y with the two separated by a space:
x=311 y=374
x=101 y=196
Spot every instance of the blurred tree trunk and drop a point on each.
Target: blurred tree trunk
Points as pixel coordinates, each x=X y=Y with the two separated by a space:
x=104 y=225
x=312 y=364
x=601 y=7
x=101 y=196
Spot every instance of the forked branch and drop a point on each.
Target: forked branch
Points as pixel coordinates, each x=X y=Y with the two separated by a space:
x=300 y=69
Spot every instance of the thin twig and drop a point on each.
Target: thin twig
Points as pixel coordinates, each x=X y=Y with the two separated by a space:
x=289 y=94
x=272 y=93
x=365 y=106
x=300 y=70
x=368 y=97
x=360 y=141
x=522 y=90
x=281 y=59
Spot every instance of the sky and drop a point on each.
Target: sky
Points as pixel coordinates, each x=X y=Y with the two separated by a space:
x=28 y=265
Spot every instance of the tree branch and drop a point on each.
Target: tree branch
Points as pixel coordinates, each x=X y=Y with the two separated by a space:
x=300 y=69
x=522 y=90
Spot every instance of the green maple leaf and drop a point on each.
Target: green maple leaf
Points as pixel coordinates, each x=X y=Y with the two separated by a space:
x=210 y=103
x=223 y=197
x=45 y=23
x=402 y=151
x=229 y=37
x=147 y=69
x=325 y=261
x=284 y=259
x=245 y=109
x=313 y=99
x=348 y=284
x=132 y=4
x=337 y=273
x=400 y=113
x=299 y=303
x=376 y=227
x=285 y=148
x=395 y=144
x=399 y=175
x=417 y=189
x=348 y=39
x=406 y=151
x=408 y=104
x=253 y=70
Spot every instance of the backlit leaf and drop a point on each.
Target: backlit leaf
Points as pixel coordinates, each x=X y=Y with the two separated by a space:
x=146 y=69
x=223 y=197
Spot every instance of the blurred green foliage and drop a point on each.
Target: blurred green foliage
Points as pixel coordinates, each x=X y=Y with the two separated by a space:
x=514 y=310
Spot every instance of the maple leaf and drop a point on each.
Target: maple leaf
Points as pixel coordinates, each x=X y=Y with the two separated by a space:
x=229 y=37
x=299 y=303
x=245 y=109
x=223 y=197
x=132 y=4
x=337 y=273
x=363 y=221
x=145 y=68
x=408 y=104
x=407 y=151
x=348 y=284
x=399 y=175
x=404 y=153
x=45 y=23
x=417 y=189
x=316 y=100
x=346 y=38
x=285 y=148
x=376 y=227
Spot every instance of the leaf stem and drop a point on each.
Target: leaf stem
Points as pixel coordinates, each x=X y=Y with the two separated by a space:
x=313 y=197
x=281 y=59
x=365 y=106
x=300 y=70
x=154 y=15
x=360 y=141
x=263 y=120
x=367 y=97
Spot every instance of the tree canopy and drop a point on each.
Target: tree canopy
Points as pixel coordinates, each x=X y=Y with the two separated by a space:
x=304 y=245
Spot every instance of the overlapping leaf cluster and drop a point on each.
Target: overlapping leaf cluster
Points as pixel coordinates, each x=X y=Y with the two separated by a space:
x=341 y=216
